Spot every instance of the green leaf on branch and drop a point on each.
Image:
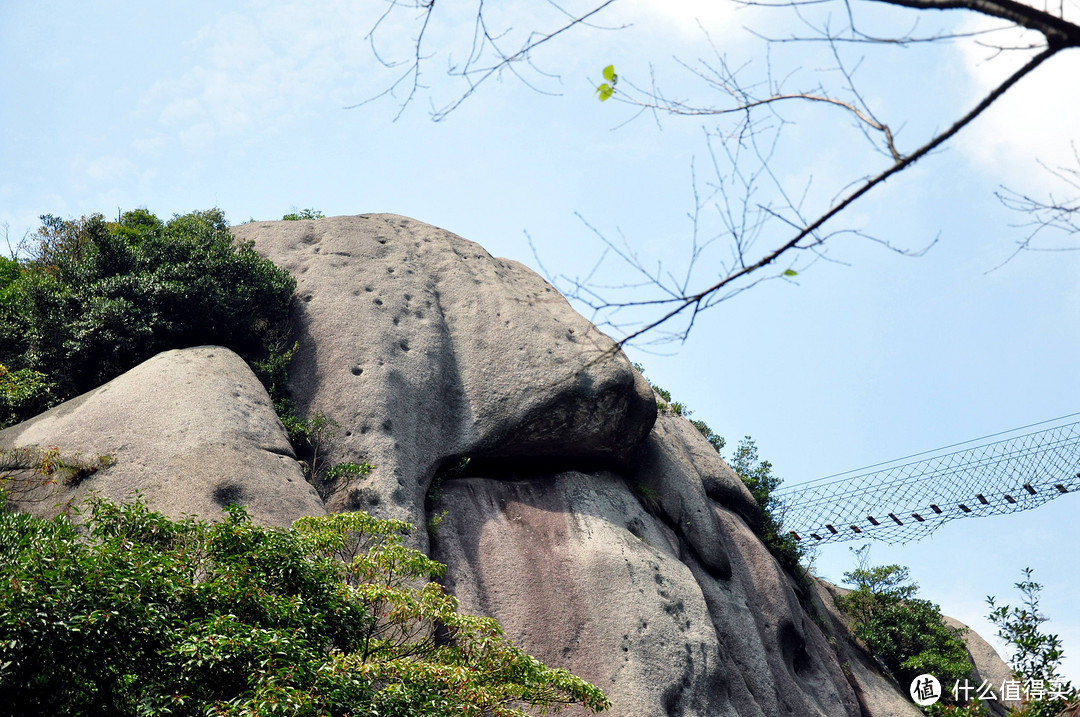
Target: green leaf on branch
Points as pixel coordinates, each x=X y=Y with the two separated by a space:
x=607 y=89
x=791 y=272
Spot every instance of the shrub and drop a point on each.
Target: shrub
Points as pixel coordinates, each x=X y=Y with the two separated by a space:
x=94 y=298
x=759 y=478
x=1036 y=655
x=303 y=214
x=131 y=613
x=25 y=392
x=907 y=634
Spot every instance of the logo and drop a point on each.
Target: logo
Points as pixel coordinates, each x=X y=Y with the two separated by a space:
x=925 y=690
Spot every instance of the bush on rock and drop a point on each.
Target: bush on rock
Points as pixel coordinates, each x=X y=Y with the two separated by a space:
x=91 y=299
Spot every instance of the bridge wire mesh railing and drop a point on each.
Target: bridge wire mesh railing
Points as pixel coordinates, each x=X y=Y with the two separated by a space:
x=908 y=502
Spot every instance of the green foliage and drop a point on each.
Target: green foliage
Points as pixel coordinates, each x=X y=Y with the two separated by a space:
x=1036 y=655
x=25 y=392
x=94 y=298
x=606 y=89
x=273 y=372
x=975 y=708
x=907 y=634
x=715 y=440
x=759 y=478
x=303 y=214
x=314 y=440
x=10 y=270
x=757 y=475
x=132 y=613
x=648 y=496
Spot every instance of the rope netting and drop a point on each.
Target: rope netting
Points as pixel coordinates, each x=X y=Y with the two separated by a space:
x=909 y=501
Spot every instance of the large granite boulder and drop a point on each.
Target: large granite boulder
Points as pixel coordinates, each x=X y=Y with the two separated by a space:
x=426 y=349
x=190 y=431
x=581 y=574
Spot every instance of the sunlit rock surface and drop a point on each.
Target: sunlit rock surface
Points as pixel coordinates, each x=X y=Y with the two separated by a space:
x=189 y=430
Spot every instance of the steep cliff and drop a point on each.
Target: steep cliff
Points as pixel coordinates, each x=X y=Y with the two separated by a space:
x=604 y=538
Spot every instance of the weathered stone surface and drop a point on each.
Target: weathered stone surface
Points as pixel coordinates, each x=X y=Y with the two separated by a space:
x=878 y=694
x=988 y=666
x=424 y=349
x=673 y=464
x=603 y=543
x=190 y=430
x=579 y=574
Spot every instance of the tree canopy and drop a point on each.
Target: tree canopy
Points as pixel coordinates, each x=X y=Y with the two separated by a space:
x=90 y=299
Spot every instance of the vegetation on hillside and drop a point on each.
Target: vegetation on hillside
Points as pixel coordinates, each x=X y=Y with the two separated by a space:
x=907 y=634
x=88 y=299
x=131 y=613
x=909 y=637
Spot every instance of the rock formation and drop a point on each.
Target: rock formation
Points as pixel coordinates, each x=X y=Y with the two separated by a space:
x=604 y=538
x=190 y=431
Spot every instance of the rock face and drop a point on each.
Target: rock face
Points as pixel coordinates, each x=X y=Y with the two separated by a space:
x=191 y=431
x=605 y=539
x=425 y=349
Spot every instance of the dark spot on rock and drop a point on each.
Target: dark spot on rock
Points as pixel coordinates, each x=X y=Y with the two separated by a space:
x=382 y=240
x=228 y=494
x=307 y=298
x=356 y=370
x=368 y=288
x=674 y=607
x=794 y=648
x=378 y=302
x=396 y=321
x=387 y=425
x=408 y=297
x=389 y=270
x=404 y=344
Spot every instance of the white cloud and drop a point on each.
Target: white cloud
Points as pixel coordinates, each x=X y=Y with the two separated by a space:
x=254 y=72
x=1035 y=121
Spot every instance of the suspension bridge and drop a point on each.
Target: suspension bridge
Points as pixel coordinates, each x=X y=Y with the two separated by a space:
x=905 y=500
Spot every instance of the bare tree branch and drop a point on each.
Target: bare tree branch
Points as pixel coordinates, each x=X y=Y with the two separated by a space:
x=746 y=196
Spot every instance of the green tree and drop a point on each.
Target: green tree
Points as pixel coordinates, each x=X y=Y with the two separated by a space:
x=1037 y=655
x=906 y=633
x=94 y=298
x=303 y=214
x=759 y=478
x=131 y=613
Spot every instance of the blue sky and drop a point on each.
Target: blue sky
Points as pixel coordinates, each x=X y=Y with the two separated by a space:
x=110 y=106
